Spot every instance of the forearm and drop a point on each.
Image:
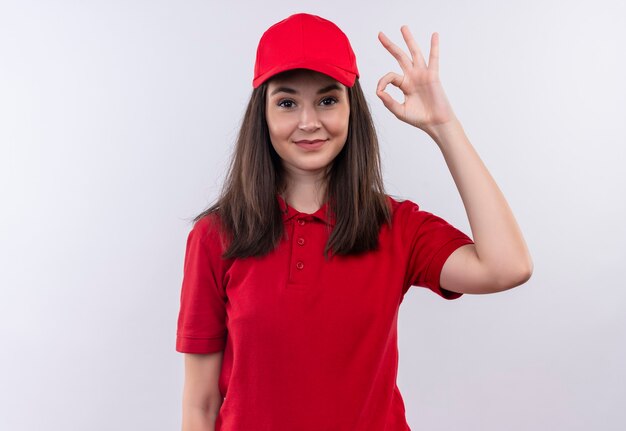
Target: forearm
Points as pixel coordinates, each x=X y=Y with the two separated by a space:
x=499 y=242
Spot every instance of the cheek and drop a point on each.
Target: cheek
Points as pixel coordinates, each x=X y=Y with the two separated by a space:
x=278 y=126
x=338 y=124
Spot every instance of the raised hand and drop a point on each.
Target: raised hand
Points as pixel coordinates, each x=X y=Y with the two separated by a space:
x=425 y=103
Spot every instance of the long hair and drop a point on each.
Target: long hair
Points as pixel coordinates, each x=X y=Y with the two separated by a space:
x=248 y=209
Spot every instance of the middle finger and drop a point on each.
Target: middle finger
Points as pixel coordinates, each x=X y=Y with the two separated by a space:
x=405 y=62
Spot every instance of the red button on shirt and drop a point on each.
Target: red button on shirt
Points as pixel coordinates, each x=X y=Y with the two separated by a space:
x=313 y=349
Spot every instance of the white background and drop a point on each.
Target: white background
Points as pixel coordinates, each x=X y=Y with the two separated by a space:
x=117 y=119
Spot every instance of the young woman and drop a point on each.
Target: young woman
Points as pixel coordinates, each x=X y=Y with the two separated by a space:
x=294 y=277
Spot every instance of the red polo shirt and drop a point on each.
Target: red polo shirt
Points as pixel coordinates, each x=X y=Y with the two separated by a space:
x=310 y=344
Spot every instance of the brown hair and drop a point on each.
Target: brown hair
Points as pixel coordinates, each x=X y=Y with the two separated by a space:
x=249 y=211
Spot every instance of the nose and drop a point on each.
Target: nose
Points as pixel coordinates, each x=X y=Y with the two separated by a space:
x=308 y=119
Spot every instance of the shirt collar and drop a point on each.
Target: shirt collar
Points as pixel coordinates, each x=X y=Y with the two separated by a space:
x=290 y=212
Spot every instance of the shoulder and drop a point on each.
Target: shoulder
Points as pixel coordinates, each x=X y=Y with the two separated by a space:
x=401 y=206
x=208 y=223
x=408 y=216
x=209 y=228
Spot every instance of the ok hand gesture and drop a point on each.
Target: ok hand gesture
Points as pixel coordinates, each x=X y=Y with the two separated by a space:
x=425 y=103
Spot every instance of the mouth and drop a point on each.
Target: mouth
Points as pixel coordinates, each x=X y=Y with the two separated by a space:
x=310 y=144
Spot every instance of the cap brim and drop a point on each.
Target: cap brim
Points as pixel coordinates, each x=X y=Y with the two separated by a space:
x=337 y=73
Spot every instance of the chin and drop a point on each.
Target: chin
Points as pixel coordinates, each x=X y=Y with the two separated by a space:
x=310 y=166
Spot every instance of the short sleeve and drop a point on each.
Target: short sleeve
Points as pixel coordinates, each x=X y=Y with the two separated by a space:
x=202 y=315
x=431 y=240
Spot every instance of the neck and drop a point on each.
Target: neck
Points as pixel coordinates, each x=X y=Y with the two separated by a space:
x=306 y=197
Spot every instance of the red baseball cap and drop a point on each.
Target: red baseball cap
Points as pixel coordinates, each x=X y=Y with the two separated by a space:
x=305 y=41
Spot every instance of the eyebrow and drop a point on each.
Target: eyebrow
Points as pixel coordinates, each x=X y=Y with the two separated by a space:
x=292 y=91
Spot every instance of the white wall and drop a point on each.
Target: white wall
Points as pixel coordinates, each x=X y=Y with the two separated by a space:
x=116 y=122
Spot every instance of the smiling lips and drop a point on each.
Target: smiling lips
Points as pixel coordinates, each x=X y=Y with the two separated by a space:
x=310 y=144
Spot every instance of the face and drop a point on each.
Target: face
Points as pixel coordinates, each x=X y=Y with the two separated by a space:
x=307 y=106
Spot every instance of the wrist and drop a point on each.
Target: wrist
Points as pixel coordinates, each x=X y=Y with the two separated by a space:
x=441 y=132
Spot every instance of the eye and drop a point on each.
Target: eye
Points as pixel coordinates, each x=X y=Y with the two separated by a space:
x=331 y=99
x=284 y=101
